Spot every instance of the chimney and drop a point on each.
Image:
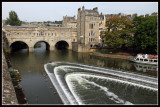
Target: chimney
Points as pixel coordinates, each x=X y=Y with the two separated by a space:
x=96 y=8
x=79 y=9
x=83 y=8
x=74 y=17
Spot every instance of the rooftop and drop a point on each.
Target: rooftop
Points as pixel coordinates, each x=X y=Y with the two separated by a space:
x=91 y=12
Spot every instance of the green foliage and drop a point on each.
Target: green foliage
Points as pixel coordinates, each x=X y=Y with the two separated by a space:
x=13 y=74
x=139 y=33
x=119 y=32
x=145 y=38
x=13 y=19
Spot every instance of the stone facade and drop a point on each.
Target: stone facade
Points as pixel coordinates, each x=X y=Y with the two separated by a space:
x=88 y=26
x=69 y=22
x=88 y=29
x=81 y=34
x=32 y=35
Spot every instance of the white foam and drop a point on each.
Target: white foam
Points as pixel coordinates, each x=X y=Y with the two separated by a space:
x=122 y=74
x=64 y=88
x=74 y=99
x=53 y=80
x=78 y=77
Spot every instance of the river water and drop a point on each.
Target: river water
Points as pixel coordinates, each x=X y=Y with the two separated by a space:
x=69 y=77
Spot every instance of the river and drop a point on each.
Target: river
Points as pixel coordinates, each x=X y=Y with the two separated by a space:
x=39 y=89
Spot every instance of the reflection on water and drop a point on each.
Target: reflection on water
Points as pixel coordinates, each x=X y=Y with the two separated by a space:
x=146 y=67
x=34 y=82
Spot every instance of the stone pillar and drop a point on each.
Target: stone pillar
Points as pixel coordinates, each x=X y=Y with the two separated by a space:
x=31 y=49
x=70 y=47
x=52 y=48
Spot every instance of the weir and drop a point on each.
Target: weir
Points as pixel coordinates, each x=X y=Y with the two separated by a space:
x=79 y=83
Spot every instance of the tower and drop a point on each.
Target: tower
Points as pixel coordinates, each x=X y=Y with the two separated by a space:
x=88 y=27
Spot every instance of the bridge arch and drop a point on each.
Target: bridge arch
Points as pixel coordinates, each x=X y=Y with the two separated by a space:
x=17 y=45
x=62 y=44
x=46 y=43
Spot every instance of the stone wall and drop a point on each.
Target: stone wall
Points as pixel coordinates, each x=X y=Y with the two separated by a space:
x=8 y=92
x=80 y=47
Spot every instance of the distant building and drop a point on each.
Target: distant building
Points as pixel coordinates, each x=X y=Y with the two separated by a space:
x=69 y=22
x=154 y=14
x=146 y=15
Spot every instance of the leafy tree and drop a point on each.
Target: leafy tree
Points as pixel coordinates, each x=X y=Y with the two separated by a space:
x=145 y=39
x=13 y=19
x=119 y=33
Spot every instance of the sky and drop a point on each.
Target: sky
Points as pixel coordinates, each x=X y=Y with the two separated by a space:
x=52 y=11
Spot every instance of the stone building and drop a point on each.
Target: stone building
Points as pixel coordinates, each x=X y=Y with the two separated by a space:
x=87 y=29
x=69 y=22
x=81 y=34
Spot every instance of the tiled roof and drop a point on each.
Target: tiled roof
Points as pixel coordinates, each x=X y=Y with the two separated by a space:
x=91 y=11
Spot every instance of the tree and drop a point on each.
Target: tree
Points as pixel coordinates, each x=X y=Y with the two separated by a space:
x=145 y=39
x=119 y=33
x=13 y=19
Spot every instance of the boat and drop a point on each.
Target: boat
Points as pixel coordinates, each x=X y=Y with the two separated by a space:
x=146 y=59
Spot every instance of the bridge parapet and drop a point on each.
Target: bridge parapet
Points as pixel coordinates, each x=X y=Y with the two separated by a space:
x=32 y=35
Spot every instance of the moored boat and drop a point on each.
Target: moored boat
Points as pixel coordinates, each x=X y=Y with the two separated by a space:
x=146 y=59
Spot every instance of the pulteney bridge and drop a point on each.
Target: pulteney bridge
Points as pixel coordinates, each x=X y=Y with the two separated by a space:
x=32 y=35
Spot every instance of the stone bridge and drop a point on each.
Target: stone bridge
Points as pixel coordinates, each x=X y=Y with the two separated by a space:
x=33 y=35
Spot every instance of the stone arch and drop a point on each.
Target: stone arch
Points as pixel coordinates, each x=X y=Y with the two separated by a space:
x=18 y=44
x=10 y=43
x=62 y=44
x=47 y=44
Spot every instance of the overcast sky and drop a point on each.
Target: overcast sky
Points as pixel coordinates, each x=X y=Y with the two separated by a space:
x=51 y=11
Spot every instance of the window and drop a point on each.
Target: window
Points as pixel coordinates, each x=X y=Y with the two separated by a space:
x=141 y=59
x=92 y=33
x=137 y=59
x=145 y=59
x=41 y=32
x=155 y=60
x=52 y=34
x=90 y=26
x=150 y=60
x=37 y=34
x=34 y=33
x=55 y=34
x=48 y=34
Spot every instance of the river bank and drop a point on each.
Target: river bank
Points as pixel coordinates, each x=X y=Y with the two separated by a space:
x=12 y=91
x=8 y=92
x=119 y=55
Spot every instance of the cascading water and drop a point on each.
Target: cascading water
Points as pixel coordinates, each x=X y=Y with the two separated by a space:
x=83 y=84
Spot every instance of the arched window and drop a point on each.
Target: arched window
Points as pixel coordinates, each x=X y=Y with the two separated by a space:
x=41 y=32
